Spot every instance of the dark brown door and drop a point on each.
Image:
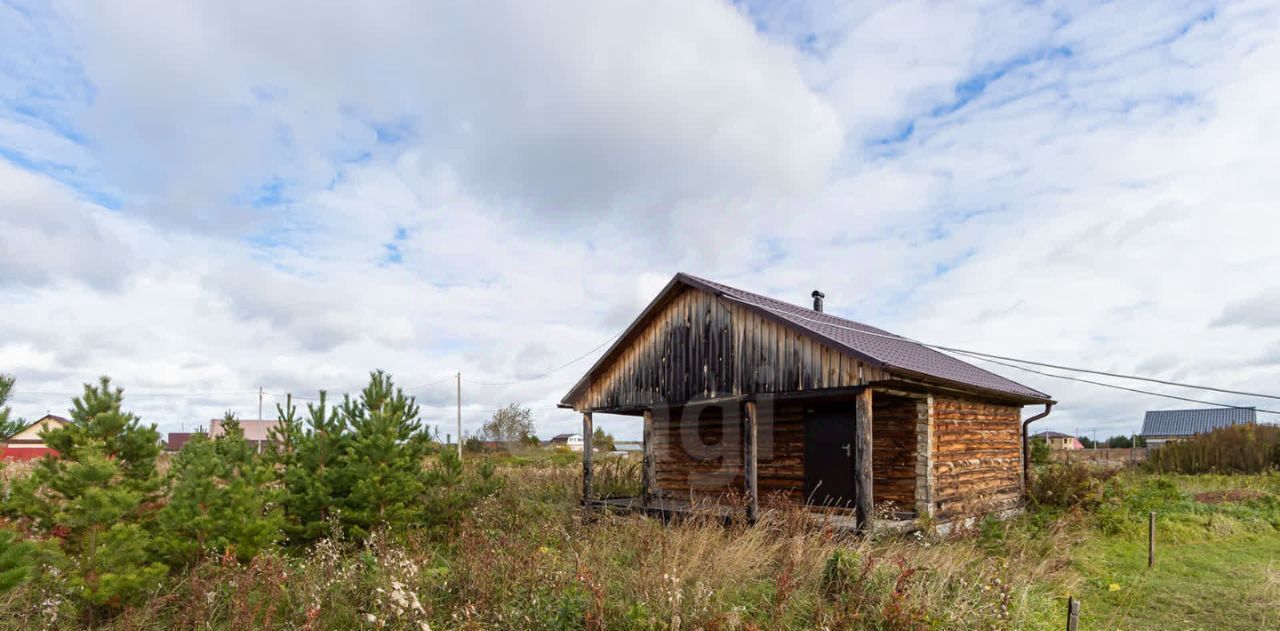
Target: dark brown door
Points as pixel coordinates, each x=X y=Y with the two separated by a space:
x=828 y=456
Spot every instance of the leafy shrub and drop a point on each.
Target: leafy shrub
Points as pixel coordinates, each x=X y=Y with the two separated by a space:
x=1245 y=448
x=1069 y=485
x=841 y=570
x=864 y=590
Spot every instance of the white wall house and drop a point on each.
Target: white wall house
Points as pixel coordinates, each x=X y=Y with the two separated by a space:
x=572 y=441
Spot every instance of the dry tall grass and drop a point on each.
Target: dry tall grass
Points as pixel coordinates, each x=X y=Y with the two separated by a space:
x=525 y=559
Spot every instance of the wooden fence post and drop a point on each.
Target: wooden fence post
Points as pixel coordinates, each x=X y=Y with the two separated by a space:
x=1151 y=539
x=1073 y=613
x=749 y=462
x=649 y=485
x=587 y=448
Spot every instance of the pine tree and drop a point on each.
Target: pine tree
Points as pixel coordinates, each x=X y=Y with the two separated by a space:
x=316 y=480
x=97 y=416
x=8 y=425
x=384 y=458
x=15 y=560
x=96 y=497
x=283 y=439
x=222 y=499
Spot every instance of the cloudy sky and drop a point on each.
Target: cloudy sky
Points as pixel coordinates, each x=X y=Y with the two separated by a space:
x=204 y=198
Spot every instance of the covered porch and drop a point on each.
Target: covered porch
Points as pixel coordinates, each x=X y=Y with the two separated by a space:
x=851 y=458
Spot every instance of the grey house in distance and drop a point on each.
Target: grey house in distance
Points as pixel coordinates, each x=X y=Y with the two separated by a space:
x=1162 y=426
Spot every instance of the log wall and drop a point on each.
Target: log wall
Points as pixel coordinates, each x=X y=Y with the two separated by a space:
x=893 y=440
x=700 y=451
x=699 y=347
x=977 y=456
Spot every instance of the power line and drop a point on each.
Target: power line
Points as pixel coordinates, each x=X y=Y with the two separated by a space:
x=1112 y=374
x=993 y=358
x=136 y=394
x=1118 y=387
x=557 y=368
x=437 y=381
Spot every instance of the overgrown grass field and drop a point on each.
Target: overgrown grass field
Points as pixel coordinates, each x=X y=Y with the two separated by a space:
x=354 y=518
x=523 y=558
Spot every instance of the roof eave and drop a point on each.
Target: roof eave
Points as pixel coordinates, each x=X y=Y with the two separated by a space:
x=567 y=400
x=1026 y=399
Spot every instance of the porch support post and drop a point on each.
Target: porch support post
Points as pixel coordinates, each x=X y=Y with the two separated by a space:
x=862 y=463
x=648 y=467
x=586 y=459
x=749 y=438
x=924 y=457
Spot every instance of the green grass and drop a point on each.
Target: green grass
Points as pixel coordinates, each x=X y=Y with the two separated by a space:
x=1217 y=584
x=1217 y=564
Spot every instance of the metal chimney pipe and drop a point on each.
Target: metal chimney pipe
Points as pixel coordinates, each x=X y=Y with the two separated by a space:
x=817 y=300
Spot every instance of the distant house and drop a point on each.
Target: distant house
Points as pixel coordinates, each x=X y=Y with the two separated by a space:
x=572 y=441
x=257 y=432
x=177 y=440
x=1058 y=440
x=1162 y=426
x=27 y=443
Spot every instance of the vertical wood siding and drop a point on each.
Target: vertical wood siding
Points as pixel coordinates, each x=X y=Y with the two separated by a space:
x=700 y=347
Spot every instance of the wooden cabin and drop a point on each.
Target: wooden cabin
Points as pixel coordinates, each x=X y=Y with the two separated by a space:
x=748 y=396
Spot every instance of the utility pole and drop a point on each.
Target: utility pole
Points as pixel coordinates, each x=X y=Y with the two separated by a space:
x=259 y=402
x=459 y=416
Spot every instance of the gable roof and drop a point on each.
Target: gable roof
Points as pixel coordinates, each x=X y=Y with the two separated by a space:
x=1191 y=422
x=39 y=425
x=877 y=346
x=1051 y=434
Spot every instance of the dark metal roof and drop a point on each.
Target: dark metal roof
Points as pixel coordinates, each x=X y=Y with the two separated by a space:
x=1051 y=434
x=1191 y=422
x=876 y=345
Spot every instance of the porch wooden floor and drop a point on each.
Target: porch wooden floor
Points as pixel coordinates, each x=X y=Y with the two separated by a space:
x=666 y=508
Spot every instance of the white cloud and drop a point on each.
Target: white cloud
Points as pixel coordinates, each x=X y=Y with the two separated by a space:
x=38 y=217
x=306 y=193
x=575 y=107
